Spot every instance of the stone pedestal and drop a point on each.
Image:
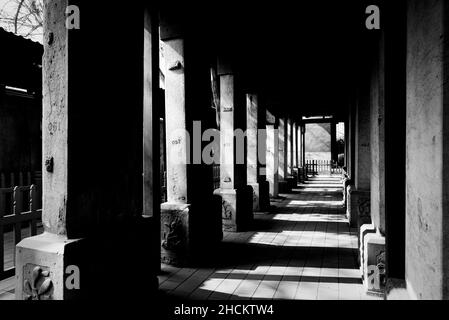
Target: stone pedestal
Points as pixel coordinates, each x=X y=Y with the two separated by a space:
x=261 y=198
x=296 y=174
x=283 y=187
x=358 y=207
x=175 y=240
x=364 y=230
x=41 y=265
x=374 y=264
x=291 y=183
x=237 y=204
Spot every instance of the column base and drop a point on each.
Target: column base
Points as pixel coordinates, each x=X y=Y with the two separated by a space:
x=273 y=190
x=187 y=231
x=283 y=187
x=97 y=261
x=292 y=182
x=374 y=264
x=175 y=233
x=237 y=208
x=296 y=174
x=364 y=230
x=41 y=262
x=261 y=196
x=396 y=289
x=358 y=207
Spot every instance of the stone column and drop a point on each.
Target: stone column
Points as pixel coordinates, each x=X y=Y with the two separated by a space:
x=184 y=236
x=255 y=154
x=358 y=208
x=427 y=152
x=291 y=181
x=282 y=131
x=236 y=195
x=295 y=151
x=334 y=146
x=93 y=163
x=152 y=105
x=289 y=148
x=272 y=154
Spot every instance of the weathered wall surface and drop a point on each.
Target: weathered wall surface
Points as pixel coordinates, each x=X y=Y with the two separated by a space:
x=377 y=144
x=426 y=266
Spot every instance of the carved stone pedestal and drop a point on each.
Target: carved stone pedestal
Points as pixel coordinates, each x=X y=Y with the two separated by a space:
x=374 y=264
x=364 y=230
x=237 y=204
x=292 y=183
x=283 y=187
x=261 y=196
x=175 y=246
x=358 y=207
x=43 y=264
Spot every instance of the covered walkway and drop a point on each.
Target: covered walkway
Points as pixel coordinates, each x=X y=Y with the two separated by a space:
x=303 y=250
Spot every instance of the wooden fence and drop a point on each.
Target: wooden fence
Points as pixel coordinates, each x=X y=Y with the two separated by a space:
x=315 y=167
x=19 y=208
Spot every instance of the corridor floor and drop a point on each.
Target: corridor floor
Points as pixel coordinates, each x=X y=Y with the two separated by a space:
x=302 y=250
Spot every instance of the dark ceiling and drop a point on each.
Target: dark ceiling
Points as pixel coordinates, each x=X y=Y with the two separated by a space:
x=302 y=55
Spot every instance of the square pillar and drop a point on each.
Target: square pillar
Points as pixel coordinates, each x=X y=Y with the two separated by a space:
x=289 y=148
x=291 y=181
x=255 y=154
x=236 y=195
x=427 y=152
x=189 y=178
x=295 y=151
x=358 y=196
x=272 y=154
x=283 y=142
x=93 y=139
x=303 y=151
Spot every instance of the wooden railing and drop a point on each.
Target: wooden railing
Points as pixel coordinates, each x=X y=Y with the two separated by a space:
x=12 y=179
x=18 y=208
x=315 y=167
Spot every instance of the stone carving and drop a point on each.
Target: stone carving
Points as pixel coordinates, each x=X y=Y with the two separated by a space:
x=380 y=259
x=173 y=238
x=40 y=287
x=227 y=210
x=364 y=206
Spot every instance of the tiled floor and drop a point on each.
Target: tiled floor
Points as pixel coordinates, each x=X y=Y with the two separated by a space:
x=303 y=249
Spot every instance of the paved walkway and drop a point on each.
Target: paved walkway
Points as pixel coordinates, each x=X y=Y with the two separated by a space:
x=302 y=250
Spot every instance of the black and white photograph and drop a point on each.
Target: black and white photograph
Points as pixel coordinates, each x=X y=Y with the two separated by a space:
x=224 y=159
